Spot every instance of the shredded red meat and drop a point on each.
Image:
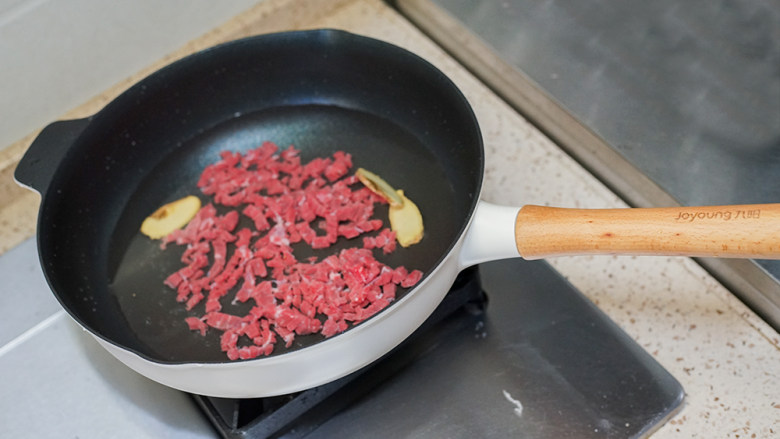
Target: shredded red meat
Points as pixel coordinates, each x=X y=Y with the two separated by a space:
x=287 y=202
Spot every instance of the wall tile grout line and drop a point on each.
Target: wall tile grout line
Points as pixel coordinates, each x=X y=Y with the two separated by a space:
x=30 y=333
x=14 y=12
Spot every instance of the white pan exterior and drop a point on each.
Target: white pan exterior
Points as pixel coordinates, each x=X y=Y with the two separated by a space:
x=490 y=236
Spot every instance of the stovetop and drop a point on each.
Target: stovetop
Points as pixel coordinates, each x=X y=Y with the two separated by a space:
x=512 y=351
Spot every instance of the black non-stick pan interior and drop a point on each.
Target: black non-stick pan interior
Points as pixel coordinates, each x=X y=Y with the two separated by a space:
x=320 y=91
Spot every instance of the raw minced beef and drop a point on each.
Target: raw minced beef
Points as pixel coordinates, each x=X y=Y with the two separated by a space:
x=287 y=202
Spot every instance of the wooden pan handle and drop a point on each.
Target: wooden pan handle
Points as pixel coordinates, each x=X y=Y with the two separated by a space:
x=739 y=231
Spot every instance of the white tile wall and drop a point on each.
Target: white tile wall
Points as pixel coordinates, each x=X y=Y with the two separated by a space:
x=56 y=54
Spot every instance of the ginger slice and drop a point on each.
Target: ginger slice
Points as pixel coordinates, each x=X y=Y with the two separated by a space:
x=170 y=217
x=405 y=218
x=406 y=221
x=379 y=186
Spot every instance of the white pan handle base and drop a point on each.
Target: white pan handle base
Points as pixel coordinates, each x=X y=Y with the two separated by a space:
x=491 y=235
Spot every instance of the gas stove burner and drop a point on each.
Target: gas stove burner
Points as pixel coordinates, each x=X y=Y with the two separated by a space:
x=298 y=414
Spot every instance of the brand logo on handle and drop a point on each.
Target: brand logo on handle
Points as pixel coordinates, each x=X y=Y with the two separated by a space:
x=721 y=215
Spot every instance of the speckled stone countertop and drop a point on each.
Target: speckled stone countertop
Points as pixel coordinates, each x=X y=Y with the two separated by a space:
x=726 y=358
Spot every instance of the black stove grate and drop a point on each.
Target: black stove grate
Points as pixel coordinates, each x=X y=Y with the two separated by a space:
x=283 y=416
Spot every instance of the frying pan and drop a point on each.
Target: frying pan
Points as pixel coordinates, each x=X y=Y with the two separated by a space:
x=322 y=91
